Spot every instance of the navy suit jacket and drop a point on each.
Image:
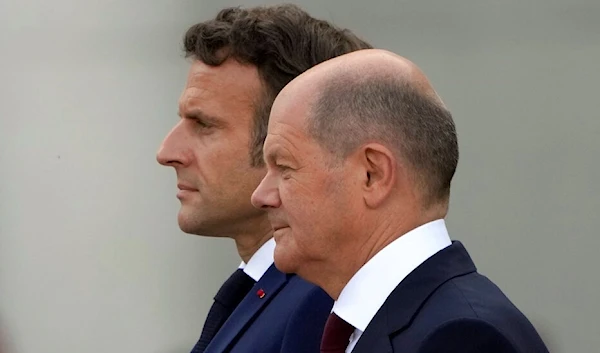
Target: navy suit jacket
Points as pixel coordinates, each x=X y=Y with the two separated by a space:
x=445 y=306
x=289 y=318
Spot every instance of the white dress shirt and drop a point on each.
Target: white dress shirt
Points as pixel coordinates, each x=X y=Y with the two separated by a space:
x=368 y=289
x=260 y=262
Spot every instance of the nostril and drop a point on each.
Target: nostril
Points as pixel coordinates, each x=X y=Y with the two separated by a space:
x=164 y=161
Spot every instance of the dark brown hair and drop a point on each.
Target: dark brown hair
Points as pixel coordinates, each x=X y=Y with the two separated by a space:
x=349 y=112
x=282 y=41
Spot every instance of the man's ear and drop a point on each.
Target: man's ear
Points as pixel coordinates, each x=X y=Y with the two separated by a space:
x=379 y=173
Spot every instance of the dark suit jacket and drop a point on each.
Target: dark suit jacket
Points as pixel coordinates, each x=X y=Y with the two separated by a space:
x=289 y=318
x=445 y=306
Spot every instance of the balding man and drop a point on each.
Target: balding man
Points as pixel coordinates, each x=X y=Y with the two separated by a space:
x=360 y=155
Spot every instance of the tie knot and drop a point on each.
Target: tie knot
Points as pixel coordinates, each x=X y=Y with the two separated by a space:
x=234 y=289
x=336 y=335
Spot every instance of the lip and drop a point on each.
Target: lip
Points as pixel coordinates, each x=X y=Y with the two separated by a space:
x=278 y=234
x=184 y=187
x=184 y=190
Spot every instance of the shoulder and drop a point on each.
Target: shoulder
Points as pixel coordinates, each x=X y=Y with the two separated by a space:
x=471 y=314
x=466 y=335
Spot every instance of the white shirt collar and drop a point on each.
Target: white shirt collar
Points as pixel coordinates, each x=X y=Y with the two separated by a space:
x=260 y=262
x=368 y=289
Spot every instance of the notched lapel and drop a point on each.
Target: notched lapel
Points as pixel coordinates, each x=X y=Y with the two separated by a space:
x=374 y=339
x=405 y=301
x=270 y=284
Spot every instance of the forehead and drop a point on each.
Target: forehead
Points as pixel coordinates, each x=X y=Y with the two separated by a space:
x=229 y=85
x=290 y=108
x=287 y=125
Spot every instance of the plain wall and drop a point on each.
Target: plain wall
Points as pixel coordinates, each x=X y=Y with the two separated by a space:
x=91 y=259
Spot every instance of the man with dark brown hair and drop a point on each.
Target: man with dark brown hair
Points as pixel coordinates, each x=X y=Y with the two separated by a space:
x=241 y=60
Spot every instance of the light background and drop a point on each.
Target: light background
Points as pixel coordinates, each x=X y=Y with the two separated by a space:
x=91 y=259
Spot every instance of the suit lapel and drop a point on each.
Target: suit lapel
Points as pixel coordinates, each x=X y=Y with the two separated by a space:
x=270 y=283
x=372 y=340
x=406 y=299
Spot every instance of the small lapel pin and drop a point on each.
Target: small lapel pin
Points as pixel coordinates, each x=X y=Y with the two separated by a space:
x=260 y=293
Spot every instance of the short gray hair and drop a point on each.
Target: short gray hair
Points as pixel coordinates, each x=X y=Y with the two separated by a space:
x=348 y=112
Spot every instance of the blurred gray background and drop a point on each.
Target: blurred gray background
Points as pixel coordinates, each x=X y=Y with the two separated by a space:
x=91 y=258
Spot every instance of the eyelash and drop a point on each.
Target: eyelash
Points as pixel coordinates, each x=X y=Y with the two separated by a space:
x=201 y=123
x=284 y=170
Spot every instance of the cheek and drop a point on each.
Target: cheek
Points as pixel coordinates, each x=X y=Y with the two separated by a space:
x=220 y=161
x=298 y=203
x=309 y=216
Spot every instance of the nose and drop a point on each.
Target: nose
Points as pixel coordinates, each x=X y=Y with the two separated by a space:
x=266 y=194
x=173 y=151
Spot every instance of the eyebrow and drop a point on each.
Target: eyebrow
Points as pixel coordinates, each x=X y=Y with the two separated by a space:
x=198 y=114
x=278 y=153
x=269 y=157
x=270 y=154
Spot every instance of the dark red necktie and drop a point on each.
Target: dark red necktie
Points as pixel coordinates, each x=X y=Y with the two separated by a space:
x=336 y=335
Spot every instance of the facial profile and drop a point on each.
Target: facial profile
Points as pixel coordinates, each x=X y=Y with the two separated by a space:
x=209 y=148
x=304 y=191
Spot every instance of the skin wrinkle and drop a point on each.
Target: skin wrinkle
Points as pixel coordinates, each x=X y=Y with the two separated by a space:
x=280 y=145
x=280 y=152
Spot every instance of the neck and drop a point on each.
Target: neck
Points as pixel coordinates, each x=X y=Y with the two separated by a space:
x=248 y=243
x=382 y=233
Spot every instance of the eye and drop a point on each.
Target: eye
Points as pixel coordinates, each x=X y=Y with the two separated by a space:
x=201 y=123
x=284 y=170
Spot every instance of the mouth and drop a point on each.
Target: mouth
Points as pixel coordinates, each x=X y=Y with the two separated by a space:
x=184 y=190
x=279 y=227
x=183 y=187
x=278 y=222
x=279 y=233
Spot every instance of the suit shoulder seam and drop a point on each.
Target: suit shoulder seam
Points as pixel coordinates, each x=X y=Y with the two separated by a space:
x=465 y=298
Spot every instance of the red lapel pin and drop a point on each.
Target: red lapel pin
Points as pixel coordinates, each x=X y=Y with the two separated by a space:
x=260 y=293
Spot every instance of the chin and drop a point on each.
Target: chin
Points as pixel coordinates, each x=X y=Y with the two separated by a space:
x=284 y=267
x=284 y=261
x=190 y=225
